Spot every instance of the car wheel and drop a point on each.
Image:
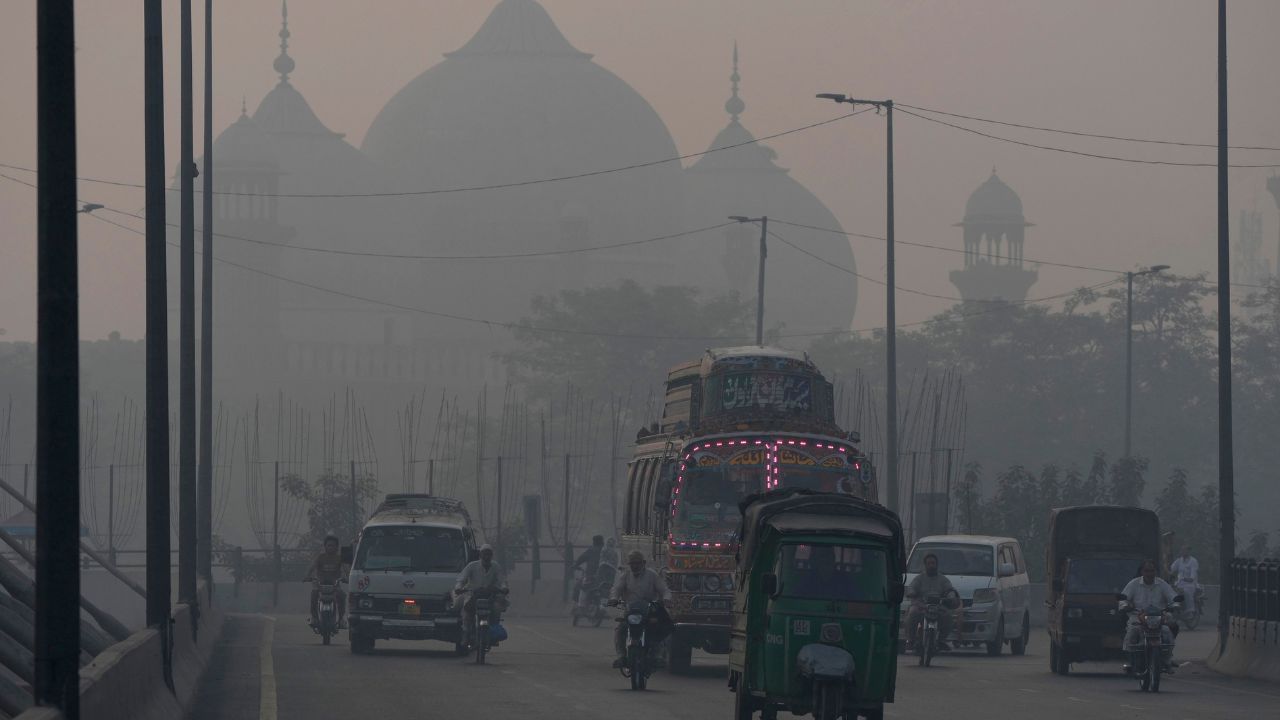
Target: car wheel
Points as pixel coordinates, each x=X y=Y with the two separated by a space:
x=1018 y=646
x=1064 y=664
x=995 y=647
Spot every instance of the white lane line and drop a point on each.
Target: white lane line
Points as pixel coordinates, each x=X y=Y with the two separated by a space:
x=1076 y=699
x=267 y=704
x=1133 y=707
x=1028 y=690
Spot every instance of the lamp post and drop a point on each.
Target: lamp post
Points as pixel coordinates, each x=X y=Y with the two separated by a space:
x=891 y=322
x=764 y=252
x=1128 y=353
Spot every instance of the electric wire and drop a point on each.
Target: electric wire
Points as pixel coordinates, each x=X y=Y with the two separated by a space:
x=492 y=186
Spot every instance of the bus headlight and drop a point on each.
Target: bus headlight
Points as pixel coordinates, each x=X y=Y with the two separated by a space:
x=711 y=583
x=692 y=583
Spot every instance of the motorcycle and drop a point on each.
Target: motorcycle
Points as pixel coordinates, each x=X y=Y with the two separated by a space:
x=325 y=622
x=592 y=600
x=646 y=627
x=927 y=630
x=1146 y=663
x=1190 y=615
x=486 y=628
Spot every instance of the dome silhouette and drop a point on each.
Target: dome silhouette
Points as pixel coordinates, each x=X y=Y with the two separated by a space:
x=993 y=201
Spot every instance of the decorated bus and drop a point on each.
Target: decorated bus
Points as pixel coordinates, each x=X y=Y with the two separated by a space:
x=736 y=422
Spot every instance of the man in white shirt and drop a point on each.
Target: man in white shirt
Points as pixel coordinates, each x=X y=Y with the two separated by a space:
x=482 y=574
x=638 y=584
x=1143 y=592
x=1187 y=570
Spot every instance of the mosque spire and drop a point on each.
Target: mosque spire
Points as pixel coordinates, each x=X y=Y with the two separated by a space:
x=734 y=105
x=284 y=64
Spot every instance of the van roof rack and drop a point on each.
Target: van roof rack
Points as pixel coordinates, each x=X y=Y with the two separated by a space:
x=422 y=503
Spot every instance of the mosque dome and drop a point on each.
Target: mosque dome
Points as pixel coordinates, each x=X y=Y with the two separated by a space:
x=243 y=146
x=994 y=201
x=803 y=293
x=516 y=102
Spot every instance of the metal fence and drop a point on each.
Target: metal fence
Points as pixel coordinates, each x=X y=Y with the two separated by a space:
x=1255 y=589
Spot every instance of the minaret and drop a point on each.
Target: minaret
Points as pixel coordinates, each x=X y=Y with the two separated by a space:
x=994 y=232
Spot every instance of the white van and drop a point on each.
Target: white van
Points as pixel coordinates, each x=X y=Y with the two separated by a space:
x=990 y=575
x=405 y=564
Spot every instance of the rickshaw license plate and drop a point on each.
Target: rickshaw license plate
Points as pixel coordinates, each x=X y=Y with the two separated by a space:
x=712 y=604
x=410 y=610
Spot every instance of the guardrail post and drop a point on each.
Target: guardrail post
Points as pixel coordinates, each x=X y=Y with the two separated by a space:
x=238 y=571
x=568 y=571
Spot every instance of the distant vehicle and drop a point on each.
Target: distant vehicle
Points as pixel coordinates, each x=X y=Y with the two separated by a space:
x=1094 y=551
x=407 y=559
x=990 y=575
x=737 y=422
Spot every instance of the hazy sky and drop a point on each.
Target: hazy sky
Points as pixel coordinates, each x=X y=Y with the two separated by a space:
x=1138 y=68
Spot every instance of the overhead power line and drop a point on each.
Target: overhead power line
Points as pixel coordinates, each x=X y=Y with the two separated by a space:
x=1081 y=153
x=493 y=186
x=1078 y=133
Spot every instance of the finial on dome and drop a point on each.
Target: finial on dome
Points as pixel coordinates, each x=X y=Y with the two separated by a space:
x=284 y=64
x=993 y=169
x=734 y=105
x=244 y=107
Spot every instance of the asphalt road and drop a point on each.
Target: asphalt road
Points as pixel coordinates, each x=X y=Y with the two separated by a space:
x=271 y=668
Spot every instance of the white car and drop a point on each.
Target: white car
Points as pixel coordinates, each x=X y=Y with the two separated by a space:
x=990 y=575
x=405 y=565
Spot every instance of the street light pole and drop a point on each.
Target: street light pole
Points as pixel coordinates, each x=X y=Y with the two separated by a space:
x=764 y=253
x=1226 y=459
x=187 y=517
x=204 y=500
x=891 y=315
x=1128 y=354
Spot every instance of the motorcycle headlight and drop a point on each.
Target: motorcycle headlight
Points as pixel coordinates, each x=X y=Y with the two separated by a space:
x=1153 y=622
x=366 y=603
x=711 y=583
x=984 y=595
x=635 y=619
x=692 y=583
x=1075 y=612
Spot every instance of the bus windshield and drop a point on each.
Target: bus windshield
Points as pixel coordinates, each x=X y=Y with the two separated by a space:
x=711 y=485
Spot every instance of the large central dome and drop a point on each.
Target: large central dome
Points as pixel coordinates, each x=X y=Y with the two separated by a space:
x=516 y=102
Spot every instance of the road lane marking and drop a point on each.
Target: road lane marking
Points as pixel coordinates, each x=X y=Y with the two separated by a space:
x=267 y=704
x=1076 y=699
x=548 y=638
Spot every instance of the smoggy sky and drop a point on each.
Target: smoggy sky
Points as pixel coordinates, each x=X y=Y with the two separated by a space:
x=1141 y=68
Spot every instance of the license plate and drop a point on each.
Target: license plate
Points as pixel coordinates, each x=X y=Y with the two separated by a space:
x=410 y=610
x=409 y=623
x=712 y=604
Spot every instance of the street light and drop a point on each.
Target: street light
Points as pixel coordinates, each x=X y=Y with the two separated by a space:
x=1128 y=353
x=891 y=322
x=764 y=232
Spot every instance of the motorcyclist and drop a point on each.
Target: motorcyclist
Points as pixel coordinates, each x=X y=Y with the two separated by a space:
x=482 y=574
x=591 y=559
x=1148 y=592
x=609 y=555
x=328 y=569
x=639 y=584
x=1187 y=570
x=930 y=582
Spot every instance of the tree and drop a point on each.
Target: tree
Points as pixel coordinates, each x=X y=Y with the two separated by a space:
x=1259 y=545
x=331 y=510
x=615 y=335
x=1128 y=481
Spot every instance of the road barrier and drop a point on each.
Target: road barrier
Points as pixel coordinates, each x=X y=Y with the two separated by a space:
x=126 y=681
x=1253 y=637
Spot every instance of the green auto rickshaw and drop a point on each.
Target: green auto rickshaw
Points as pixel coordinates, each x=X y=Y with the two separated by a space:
x=815 y=615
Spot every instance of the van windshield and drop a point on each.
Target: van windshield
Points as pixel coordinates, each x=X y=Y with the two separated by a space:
x=972 y=560
x=421 y=549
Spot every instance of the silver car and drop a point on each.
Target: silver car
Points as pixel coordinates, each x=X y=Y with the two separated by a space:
x=990 y=575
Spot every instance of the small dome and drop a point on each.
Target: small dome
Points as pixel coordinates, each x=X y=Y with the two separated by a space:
x=993 y=201
x=244 y=146
x=284 y=109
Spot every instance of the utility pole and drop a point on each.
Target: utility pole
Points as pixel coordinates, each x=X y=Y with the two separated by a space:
x=764 y=253
x=355 y=503
x=891 y=314
x=111 y=513
x=157 y=347
x=1128 y=355
x=1226 y=464
x=57 y=622
x=205 y=480
x=275 y=539
x=499 y=510
x=1273 y=187
x=186 y=326
x=568 y=546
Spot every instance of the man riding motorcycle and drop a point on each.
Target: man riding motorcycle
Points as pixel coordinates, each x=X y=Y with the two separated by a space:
x=1143 y=592
x=591 y=558
x=328 y=569
x=1187 y=570
x=930 y=582
x=482 y=574
x=609 y=555
x=639 y=584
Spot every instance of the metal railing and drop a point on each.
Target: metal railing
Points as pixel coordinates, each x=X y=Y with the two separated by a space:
x=1255 y=589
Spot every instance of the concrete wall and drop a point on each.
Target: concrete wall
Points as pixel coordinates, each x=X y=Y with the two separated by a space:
x=126 y=681
x=1253 y=650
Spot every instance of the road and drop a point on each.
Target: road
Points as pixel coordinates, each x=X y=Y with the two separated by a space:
x=271 y=668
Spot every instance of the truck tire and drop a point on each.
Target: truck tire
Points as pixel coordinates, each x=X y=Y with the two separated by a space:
x=679 y=655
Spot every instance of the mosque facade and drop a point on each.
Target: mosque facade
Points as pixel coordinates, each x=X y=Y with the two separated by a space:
x=373 y=265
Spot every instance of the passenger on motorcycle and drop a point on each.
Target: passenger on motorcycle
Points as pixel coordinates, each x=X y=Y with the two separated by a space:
x=1187 y=570
x=930 y=582
x=591 y=559
x=482 y=574
x=328 y=569
x=609 y=555
x=1148 y=592
x=639 y=584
